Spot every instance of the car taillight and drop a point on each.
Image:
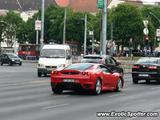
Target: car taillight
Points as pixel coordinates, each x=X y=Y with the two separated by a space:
x=54 y=72
x=152 y=67
x=136 y=67
x=85 y=73
x=102 y=61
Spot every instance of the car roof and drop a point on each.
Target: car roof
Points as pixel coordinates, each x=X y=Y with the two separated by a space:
x=96 y=56
x=142 y=59
x=145 y=58
x=87 y=63
x=56 y=46
x=8 y=53
x=95 y=64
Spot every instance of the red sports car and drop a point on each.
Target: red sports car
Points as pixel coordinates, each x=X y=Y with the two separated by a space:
x=87 y=76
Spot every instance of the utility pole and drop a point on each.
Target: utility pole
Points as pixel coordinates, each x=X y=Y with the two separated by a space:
x=42 y=24
x=85 y=34
x=64 y=26
x=104 y=28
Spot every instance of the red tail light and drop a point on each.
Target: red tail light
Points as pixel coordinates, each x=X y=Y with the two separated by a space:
x=136 y=67
x=102 y=61
x=54 y=72
x=152 y=67
x=85 y=73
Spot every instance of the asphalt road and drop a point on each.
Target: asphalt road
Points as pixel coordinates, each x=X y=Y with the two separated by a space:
x=24 y=96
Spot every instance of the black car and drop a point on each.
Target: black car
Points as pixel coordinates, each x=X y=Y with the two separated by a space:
x=10 y=58
x=107 y=60
x=147 y=68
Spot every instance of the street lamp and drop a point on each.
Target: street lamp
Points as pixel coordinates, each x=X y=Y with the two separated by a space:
x=104 y=28
x=85 y=34
x=64 y=26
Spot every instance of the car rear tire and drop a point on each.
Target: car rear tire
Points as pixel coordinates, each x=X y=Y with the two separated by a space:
x=56 y=90
x=119 y=85
x=1 y=63
x=135 y=81
x=20 y=64
x=98 y=87
x=45 y=74
x=39 y=74
x=148 y=82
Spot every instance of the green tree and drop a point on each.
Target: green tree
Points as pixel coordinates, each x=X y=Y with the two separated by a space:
x=127 y=21
x=12 y=23
x=54 y=24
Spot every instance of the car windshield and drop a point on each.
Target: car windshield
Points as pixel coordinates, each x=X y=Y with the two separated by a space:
x=91 y=60
x=148 y=61
x=53 y=53
x=12 y=56
x=79 y=66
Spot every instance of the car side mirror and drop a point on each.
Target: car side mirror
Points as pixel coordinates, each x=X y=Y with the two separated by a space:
x=68 y=57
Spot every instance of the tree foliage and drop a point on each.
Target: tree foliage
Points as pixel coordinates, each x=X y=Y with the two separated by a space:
x=128 y=24
x=126 y=19
x=10 y=23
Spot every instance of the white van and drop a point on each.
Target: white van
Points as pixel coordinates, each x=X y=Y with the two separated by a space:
x=53 y=56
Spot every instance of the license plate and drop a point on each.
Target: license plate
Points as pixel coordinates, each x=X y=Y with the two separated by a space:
x=68 y=80
x=143 y=75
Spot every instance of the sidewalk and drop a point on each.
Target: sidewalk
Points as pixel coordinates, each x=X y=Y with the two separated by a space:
x=30 y=61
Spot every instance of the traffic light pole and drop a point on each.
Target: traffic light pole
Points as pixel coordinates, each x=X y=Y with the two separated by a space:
x=85 y=34
x=104 y=28
x=42 y=24
x=64 y=26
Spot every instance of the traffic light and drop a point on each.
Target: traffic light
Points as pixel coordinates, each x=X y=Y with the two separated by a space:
x=100 y=4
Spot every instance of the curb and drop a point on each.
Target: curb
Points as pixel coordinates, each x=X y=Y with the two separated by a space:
x=29 y=61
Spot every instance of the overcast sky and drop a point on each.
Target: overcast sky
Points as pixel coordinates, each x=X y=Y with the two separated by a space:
x=151 y=0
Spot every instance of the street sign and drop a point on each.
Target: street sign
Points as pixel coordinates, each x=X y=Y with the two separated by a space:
x=91 y=33
x=145 y=22
x=158 y=32
x=100 y=4
x=37 y=25
x=145 y=31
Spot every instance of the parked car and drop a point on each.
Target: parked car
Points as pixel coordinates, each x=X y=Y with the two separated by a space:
x=10 y=58
x=85 y=76
x=147 y=68
x=107 y=60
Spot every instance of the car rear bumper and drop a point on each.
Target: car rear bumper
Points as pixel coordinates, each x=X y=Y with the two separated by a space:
x=44 y=70
x=78 y=84
x=146 y=75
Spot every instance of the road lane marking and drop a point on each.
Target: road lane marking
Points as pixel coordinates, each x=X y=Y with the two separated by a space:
x=22 y=83
x=117 y=95
x=155 y=88
x=55 y=106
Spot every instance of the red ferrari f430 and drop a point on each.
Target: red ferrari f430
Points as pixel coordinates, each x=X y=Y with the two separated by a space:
x=86 y=76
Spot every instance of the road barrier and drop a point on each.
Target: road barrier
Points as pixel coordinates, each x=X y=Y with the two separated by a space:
x=126 y=63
